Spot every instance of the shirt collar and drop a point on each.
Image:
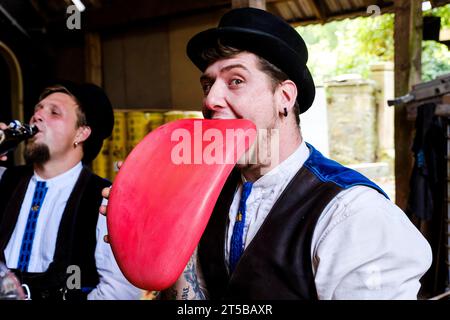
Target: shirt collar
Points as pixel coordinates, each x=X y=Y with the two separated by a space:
x=285 y=170
x=63 y=179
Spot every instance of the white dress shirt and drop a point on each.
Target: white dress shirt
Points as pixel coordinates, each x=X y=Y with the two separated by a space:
x=363 y=246
x=112 y=285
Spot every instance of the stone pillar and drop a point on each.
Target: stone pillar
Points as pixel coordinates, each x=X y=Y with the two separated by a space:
x=352 y=119
x=383 y=74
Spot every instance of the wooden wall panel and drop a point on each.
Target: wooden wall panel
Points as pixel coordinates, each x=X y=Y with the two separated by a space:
x=136 y=68
x=113 y=70
x=186 y=91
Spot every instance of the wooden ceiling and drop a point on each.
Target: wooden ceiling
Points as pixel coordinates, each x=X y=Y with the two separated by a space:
x=105 y=13
x=35 y=15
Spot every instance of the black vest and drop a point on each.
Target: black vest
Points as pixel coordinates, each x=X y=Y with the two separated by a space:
x=76 y=238
x=277 y=262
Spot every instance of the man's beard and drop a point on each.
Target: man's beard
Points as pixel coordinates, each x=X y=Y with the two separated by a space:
x=36 y=153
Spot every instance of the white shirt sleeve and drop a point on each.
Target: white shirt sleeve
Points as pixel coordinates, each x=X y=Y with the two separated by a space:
x=365 y=247
x=113 y=285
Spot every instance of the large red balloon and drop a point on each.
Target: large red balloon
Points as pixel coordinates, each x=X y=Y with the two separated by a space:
x=164 y=194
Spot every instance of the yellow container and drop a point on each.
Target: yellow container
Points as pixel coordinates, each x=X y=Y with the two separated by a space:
x=139 y=124
x=154 y=120
x=173 y=115
x=119 y=142
x=193 y=115
x=102 y=163
x=136 y=128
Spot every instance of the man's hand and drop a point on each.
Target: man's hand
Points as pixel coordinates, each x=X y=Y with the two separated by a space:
x=104 y=207
x=105 y=194
x=3 y=126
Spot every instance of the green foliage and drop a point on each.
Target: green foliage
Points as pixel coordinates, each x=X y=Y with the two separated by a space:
x=352 y=45
x=376 y=36
x=436 y=56
x=349 y=46
x=443 y=12
x=435 y=60
x=367 y=40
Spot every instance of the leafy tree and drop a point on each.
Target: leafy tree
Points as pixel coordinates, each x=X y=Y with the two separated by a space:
x=443 y=12
x=351 y=45
x=435 y=60
x=436 y=56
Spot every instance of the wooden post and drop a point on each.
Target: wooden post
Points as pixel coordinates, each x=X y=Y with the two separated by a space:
x=93 y=58
x=93 y=68
x=408 y=48
x=260 y=4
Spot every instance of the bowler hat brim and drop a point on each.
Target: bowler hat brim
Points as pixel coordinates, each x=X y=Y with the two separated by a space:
x=263 y=44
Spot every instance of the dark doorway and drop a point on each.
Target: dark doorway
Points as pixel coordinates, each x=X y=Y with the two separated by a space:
x=5 y=101
x=5 y=89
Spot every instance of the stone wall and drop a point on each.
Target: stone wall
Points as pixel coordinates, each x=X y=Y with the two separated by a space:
x=352 y=119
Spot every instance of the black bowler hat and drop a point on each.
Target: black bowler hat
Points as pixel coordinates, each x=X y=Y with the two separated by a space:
x=265 y=35
x=95 y=104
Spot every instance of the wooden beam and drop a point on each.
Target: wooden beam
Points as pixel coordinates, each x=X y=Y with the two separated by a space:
x=408 y=48
x=319 y=9
x=93 y=58
x=442 y=109
x=349 y=14
x=260 y=4
x=135 y=11
x=96 y=3
x=42 y=13
x=438 y=3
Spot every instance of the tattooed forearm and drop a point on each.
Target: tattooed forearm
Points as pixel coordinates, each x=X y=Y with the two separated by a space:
x=185 y=294
x=190 y=285
x=190 y=274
